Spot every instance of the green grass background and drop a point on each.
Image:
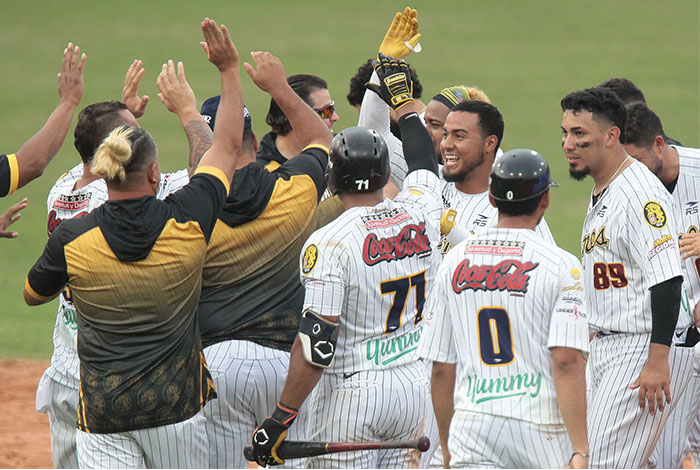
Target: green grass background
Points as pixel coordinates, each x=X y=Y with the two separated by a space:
x=525 y=54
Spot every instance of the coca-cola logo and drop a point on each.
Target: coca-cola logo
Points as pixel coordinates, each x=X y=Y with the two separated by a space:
x=410 y=241
x=489 y=277
x=56 y=221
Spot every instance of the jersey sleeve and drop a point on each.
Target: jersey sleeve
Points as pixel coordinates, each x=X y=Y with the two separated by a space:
x=423 y=191
x=568 y=327
x=374 y=114
x=9 y=174
x=653 y=234
x=323 y=275
x=202 y=198
x=171 y=182
x=312 y=161
x=49 y=275
x=437 y=341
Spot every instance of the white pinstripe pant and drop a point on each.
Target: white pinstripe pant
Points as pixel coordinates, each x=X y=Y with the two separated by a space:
x=480 y=440
x=369 y=407
x=621 y=435
x=681 y=429
x=249 y=379
x=60 y=401
x=179 y=445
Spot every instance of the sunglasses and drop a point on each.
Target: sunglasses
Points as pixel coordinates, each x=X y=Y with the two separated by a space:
x=327 y=111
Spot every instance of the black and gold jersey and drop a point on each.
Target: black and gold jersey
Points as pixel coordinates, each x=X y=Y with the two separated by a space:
x=9 y=174
x=134 y=270
x=251 y=288
x=268 y=154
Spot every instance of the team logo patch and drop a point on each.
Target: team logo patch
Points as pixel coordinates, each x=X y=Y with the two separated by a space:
x=576 y=274
x=310 y=257
x=655 y=214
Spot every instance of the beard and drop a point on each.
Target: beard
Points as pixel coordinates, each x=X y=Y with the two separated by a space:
x=578 y=175
x=460 y=174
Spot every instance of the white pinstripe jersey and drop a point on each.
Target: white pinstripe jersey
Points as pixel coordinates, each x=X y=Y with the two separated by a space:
x=502 y=299
x=373 y=267
x=629 y=244
x=65 y=203
x=466 y=214
x=686 y=196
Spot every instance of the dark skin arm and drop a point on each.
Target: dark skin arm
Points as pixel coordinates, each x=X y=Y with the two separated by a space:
x=37 y=152
x=302 y=376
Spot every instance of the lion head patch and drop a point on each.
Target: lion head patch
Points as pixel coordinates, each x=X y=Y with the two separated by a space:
x=655 y=214
x=309 y=261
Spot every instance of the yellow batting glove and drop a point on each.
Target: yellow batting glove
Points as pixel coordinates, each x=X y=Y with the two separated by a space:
x=402 y=37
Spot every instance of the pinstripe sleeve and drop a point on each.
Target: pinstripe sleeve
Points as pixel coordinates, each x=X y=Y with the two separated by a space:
x=653 y=235
x=568 y=327
x=323 y=276
x=437 y=340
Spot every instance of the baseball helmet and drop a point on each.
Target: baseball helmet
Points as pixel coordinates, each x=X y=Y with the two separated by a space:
x=358 y=161
x=519 y=175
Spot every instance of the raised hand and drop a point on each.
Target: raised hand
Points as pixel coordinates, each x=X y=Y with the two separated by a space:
x=10 y=217
x=175 y=93
x=130 y=96
x=70 y=78
x=396 y=87
x=270 y=74
x=403 y=30
x=218 y=45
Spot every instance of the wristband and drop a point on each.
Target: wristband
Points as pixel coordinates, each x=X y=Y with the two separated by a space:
x=585 y=456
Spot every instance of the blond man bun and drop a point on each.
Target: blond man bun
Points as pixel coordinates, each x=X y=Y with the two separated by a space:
x=113 y=155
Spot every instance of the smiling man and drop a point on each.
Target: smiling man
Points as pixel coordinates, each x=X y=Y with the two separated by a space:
x=632 y=284
x=472 y=136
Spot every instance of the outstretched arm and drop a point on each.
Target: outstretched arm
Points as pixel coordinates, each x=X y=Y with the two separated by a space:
x=271 y=77
x=37 y=152
x=228 y=130
x=178 y=97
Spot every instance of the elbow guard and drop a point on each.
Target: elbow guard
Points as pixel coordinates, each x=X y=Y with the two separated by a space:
x=318 y=337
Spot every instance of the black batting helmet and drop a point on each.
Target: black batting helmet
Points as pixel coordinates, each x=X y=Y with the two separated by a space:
x=519 y=175
x=358 y=161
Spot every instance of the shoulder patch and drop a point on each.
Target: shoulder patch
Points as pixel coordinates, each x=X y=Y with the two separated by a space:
x=310 y=257
x=655 y=215
x=575 y=274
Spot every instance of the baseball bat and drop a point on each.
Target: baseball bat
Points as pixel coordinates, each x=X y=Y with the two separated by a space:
x=299 y=449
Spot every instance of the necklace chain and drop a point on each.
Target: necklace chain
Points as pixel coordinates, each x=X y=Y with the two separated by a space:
x=614 y=174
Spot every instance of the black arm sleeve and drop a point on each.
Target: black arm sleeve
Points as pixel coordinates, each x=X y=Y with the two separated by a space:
x=665 y=303
x=418 y=148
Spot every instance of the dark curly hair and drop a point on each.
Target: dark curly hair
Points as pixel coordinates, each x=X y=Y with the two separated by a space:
x=357 y=83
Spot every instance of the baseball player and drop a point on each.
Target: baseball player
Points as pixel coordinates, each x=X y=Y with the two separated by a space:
x=678 y=168
x=366 y=275
x=140 y=398
x=632 y=281
x=251 y=294
x=29 y=162
x=77 y=193
x=507 y=309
